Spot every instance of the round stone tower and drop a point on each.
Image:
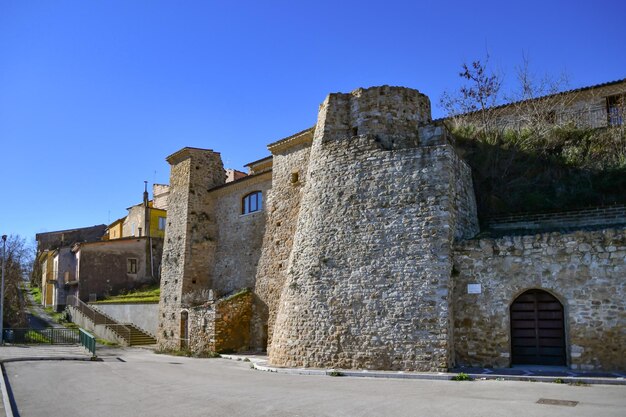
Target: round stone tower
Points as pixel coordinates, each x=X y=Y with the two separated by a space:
x=368 y=281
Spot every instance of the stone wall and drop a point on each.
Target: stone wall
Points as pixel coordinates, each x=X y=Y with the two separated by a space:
x=574 y=219
x=190 y=236
x=585 y=270
x=290 y=166
x=368 y=280
x=103 y=266
x=222 y=326
x=239 y=236
x=160 y=194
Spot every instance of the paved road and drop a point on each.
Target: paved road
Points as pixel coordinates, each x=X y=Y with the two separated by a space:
x=38 y=319
x=146 y=384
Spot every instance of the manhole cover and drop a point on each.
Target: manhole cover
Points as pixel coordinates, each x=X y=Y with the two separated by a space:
x=550 y=401
x=175 y=363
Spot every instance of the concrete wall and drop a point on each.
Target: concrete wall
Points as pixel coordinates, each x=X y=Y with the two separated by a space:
x=99 y=330
x=585 y=270
x=144 y=316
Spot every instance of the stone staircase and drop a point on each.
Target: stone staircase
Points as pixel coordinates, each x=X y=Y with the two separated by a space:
x=125 y=333
x=139 y=337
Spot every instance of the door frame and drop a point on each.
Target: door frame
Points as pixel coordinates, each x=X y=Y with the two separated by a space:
x=565 y=321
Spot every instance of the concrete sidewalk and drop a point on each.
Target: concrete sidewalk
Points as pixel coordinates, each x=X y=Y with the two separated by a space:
x=11 y=353
x=521 y=373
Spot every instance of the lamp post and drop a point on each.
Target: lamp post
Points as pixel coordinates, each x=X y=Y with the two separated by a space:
x=4 y=261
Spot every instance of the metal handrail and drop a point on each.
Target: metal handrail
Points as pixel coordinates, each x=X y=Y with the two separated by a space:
x=88 y=341
x=52 y=336
x=122 y=330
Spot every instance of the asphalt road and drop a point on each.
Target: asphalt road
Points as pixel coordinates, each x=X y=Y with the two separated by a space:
x=146 y=384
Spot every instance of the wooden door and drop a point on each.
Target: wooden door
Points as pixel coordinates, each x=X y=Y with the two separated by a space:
x=537 y=330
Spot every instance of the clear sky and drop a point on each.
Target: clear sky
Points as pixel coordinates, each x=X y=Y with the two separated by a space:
x=95 y=94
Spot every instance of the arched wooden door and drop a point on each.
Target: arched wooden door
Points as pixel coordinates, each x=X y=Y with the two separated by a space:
x=537 y=330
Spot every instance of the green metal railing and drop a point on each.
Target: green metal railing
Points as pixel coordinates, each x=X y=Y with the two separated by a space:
x=52 y=336
x=88 y=341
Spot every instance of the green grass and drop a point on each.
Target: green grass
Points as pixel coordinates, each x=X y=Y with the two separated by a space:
x=148 y=295
x=105 y=342
x=36 y=292
x=34 y=335
x=462 y=377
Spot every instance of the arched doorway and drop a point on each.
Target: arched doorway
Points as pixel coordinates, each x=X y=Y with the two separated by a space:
x=537 y=330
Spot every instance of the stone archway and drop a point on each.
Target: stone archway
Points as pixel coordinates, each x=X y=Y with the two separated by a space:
x=537 y=330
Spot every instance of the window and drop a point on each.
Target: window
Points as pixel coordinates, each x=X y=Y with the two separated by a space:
x=131 y=266
x=252 y=202
x=615 y=107
x=161 y=223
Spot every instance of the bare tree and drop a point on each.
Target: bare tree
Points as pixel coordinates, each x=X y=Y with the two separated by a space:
x=479 y=93
x=536 y=104
x=19 y=260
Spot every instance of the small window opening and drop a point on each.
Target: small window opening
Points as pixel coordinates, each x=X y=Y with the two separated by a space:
x=131 y=266
x=252 y=202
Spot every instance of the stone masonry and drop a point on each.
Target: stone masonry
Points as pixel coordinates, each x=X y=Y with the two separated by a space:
x=364 y=251
x=585 y=270
x=190 y=240
x=368 y=281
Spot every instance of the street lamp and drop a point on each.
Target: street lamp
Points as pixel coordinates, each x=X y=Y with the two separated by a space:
x=4 y=261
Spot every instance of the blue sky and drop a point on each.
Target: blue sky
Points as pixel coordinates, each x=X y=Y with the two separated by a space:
x=95 y=94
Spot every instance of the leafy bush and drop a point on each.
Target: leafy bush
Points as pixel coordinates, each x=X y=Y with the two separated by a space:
x=462 y=377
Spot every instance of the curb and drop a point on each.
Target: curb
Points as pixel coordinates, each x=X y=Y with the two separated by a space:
x=6 y=399
x=261 y=365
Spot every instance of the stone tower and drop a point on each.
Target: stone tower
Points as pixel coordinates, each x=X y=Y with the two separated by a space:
x=190 y=238
x=368 y=283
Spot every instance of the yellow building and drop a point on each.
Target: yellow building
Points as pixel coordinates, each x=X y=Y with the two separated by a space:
x=114 y=231
x=158 y=219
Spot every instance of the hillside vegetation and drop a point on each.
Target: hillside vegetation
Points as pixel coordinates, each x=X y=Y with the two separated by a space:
x=558 y=168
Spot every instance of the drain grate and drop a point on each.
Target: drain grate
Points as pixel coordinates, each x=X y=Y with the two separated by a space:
x=550 y=401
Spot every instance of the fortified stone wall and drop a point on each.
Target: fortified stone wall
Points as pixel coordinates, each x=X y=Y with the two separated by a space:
x=368 y=282
x=190 y=236
x=585 y=270
x=222 y=326
x=239 y=236
x=290 y=165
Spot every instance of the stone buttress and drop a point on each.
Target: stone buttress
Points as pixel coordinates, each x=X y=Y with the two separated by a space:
x=190 y=239
x=368 y=281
